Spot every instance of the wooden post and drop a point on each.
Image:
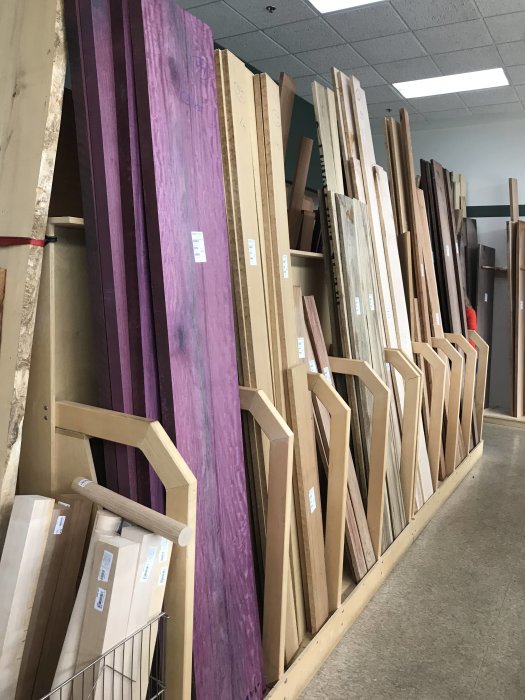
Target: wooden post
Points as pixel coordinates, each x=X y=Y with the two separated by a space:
x=277 y=554
x=377 y=459
x=438 y=368
x=413 y=378
x=337 y=484
x=467 y=406
x=454 y=396
x=481 y=378
x=181 y=504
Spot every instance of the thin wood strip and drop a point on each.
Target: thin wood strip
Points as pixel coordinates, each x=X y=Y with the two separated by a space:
x=519 y=323
x=287 y=98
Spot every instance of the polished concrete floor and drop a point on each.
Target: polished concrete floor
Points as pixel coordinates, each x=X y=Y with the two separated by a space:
x=449 y=623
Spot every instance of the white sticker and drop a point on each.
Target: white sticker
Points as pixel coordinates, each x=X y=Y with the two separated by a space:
x=105 y=566
x=163 y=576
x=199 y=251
x=285 y=267
x=521 y=305
x=312 y=365
x=300 y=348
x=252 y=252
x=65 y=505
x=447 y=250
x=311 y=498
x=326 y=372
x=164 y=546
x=438 y=320
x=457 y=248
x=84 y=482
x=59 y=525
x=371 y=302
x=100 y=599
x=148 y=564
x=358 y=306
x=486 y=297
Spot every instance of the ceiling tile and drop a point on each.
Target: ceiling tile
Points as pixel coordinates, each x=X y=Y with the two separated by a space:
x=463 y=35
x=308 y=34
x=480 y=58
x=513 y=54
x=389 y=48
x=448 y=114
x=285 y=11
x=287 y=64
x=437 y=103
x=516 y=75
x=252 y=46
x=419 y=14
x=323 y=60
x=508 y=108
x=381 y=93
x=303 y=86
x=222 y=19
x=409 y=69
x=521 y=92
x=499 y=7
x=492 y=96
x=505 y=28
x=380 y=109
x=367 y=22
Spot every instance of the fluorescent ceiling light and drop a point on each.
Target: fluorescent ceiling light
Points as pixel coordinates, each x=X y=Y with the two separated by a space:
x=461 y=82
x=333 y=5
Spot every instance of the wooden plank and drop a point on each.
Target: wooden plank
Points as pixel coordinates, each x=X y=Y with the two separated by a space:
x=287 y=98
x=2 y=297
x=514 y=200
x=20 y=568
x=324 y=106
x=484 y=299
x=307 y=231
x=302 y=167
x=519 y=335
x=33 y=41
x=183 y=187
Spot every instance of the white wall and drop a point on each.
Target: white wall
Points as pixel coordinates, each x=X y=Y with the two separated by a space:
x=487 y=154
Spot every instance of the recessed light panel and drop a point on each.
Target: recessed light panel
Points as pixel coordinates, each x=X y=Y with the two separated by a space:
x=461 y=82
x=334 y=5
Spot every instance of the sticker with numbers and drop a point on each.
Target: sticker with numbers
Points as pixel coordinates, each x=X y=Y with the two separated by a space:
x=486 y=298
x=371 y=302
x=163 y=576
x=312 y=366
x=285 y=267
x=164 y=547
x=199 y=250
x=357 y=302
x=148 y=564
x=300 y=348
x=252 y=252
x=84 y=482
x=327 y=376
x=100 y=599
x=105 y=566
x=311 y=498
x=59 y=525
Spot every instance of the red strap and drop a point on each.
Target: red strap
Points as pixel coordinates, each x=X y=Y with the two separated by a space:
x=13 y=240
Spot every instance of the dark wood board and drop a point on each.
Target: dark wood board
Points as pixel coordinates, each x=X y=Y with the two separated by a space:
x=485 y=297
x=188 y=251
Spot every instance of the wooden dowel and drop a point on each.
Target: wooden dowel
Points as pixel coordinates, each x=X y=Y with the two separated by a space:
x=136 y=513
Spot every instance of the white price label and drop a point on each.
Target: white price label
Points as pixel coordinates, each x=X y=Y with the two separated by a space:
x=300 y=348
x=311 y=498
x=59 y=525
x=164 y=547
x=285 y=267
x=371 y=302
x=100 y=599
x=358 y=306
x=312 y=366
x=326 y=372
x=252 y=252
x=148 y=564
x=105 y=566
x=521 y=305
x=438 y=320
x=486 y=298
x=163 y=576
x=84 y=482
x=199 y=250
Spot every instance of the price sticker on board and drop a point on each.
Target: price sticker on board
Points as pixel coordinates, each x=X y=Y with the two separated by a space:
x=199 y=250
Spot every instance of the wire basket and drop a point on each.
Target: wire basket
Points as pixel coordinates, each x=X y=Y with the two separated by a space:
x=134 y=669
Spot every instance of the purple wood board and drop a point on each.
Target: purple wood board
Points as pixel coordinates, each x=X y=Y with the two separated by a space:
x=183 y=189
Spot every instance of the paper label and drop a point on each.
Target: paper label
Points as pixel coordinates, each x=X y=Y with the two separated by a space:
x=163 y=576
x=59 y=525
x=486 y=297
x=312 y=366
x=252 y=252
x=311 y=498
x=447 y=250
x=285 y=267
x=199 y=250
x=521 y=305
x=100 y=599
x=371 y=302
x=84 y=482
x=164 y=546
x=387 y=365
x=326 y=372
x=358 y=306
x=438 y=319
x=300 y=348
x=148 y=564
x=105 y=566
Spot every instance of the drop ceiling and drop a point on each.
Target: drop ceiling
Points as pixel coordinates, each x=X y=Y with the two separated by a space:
x=381 y=44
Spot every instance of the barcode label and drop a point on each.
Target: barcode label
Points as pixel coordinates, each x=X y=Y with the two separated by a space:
x=311 y=498
x=252 y=252
x=163 y=576
x=358 y=306
x=100 y=599
x=105 y=566
x=285 y=267
x=59 y=525
x=312 y=365
x=326 y=372
x=371 y=302
x=84 y=482
x=164 y=546
x=300 y=348
x=148 y=564
x=199 y=249
x=486 y=297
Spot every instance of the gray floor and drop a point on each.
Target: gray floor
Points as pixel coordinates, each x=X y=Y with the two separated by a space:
x=450 y=620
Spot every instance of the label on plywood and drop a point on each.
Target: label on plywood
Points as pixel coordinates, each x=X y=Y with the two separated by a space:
x=285 y=267
x=59 y=525
x=311 y=498
x=105 y=566
x=486 y=297
x=438 y=319
x=100 y=599
x=326 y=372
x=252 y=252
x=84 y=482
x=371 y=302
x=300 y=348
x=163 y=576
x=164 y=546
x=422 y=270
x=148 y=564
x=199 y=249
x=312 y=365
x=358 y=306
x=521 y=305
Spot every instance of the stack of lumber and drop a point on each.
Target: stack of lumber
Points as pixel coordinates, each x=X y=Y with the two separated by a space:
x=516 y=290
x=274 y=348
x=145 y=101
x=364 y=272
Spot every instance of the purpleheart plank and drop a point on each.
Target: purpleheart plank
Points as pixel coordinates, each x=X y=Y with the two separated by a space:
x=183 y=188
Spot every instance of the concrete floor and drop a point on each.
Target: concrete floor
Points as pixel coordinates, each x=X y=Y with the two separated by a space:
x=449 y=623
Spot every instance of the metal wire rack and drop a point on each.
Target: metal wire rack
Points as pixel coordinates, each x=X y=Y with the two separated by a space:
x=134 y=669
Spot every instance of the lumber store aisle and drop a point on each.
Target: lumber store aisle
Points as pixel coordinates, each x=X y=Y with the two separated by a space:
x=450 y=620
